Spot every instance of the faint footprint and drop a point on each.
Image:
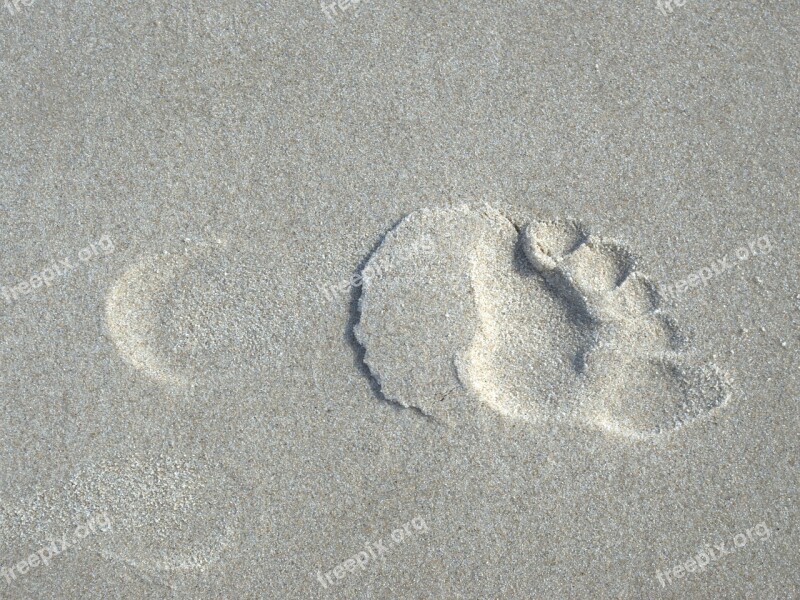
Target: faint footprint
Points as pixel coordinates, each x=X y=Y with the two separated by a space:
x=549 y=323
x=155 y=513
x=195 y=315
x=166 y=514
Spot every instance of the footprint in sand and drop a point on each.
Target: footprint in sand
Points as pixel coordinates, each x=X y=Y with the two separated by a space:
x=537 y=322
x=200 y=314
x=166 y=513
x=154 y=513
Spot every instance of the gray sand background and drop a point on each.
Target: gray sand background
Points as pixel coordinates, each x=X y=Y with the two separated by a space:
x=243 y=154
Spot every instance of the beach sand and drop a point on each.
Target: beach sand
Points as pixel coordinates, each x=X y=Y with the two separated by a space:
x=399 y=300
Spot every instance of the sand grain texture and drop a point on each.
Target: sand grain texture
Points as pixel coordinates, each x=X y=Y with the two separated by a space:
x=500 y=193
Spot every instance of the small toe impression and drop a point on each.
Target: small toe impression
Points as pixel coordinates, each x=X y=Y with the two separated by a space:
x=546 y=243
x=599 y=266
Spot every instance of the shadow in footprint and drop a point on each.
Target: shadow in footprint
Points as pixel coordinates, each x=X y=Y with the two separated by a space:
x=358 y=350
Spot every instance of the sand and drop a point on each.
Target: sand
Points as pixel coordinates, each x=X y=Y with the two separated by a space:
x=465 y=300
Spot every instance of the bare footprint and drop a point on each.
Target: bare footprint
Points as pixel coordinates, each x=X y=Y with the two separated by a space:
x=155 y=514
x=191 y=316
x=166 y=514
x=546 y=323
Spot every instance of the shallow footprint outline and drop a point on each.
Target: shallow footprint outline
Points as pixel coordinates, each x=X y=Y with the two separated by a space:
x=157 y=513
x=608 y=356
x=198 y=314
